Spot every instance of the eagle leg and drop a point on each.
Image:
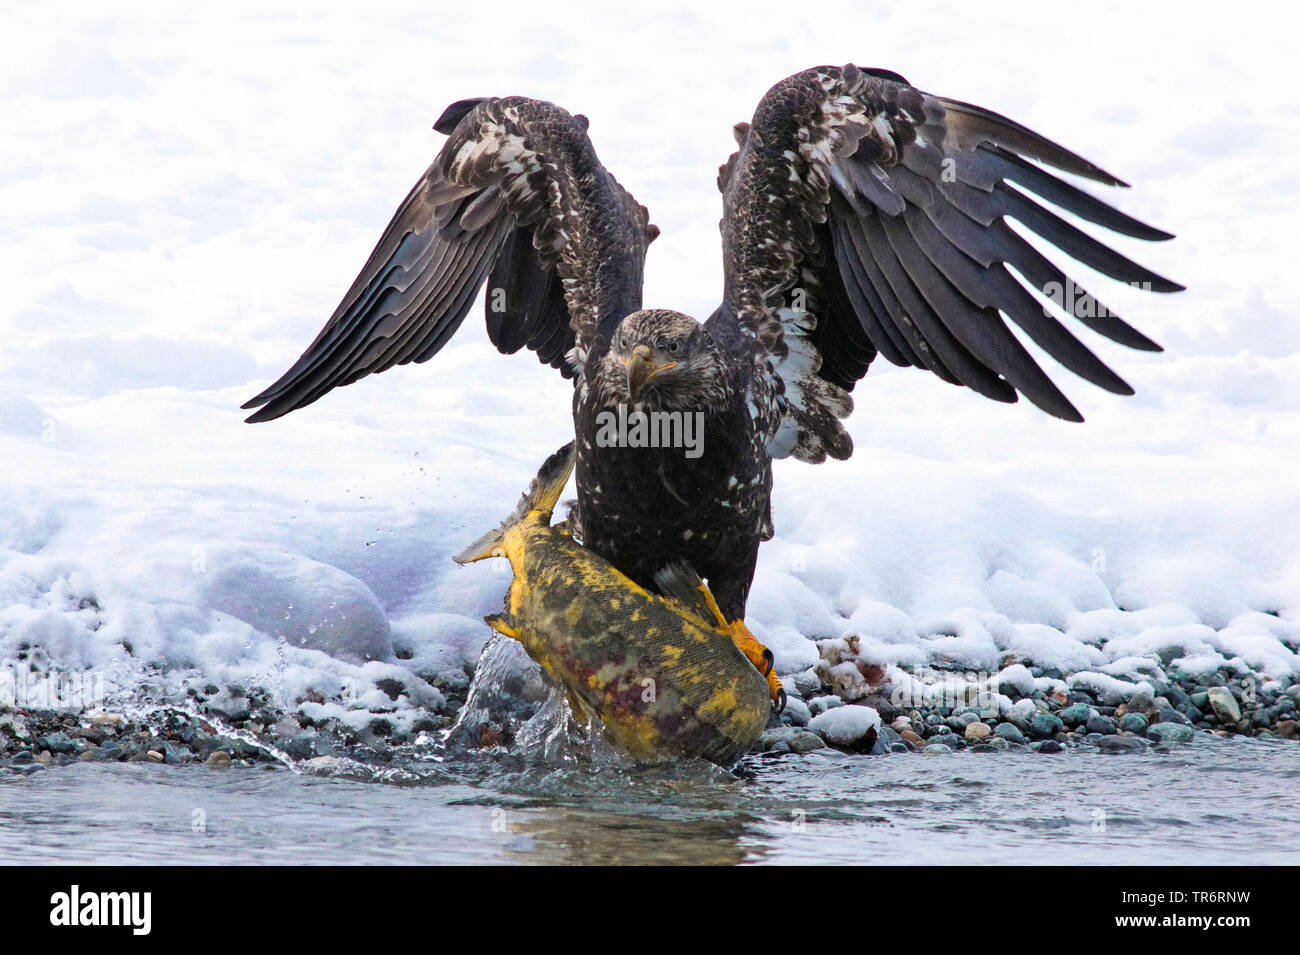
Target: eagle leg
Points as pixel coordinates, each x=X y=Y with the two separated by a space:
x=761 y=657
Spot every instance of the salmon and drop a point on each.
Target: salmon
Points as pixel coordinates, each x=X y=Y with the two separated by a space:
x=661 y=673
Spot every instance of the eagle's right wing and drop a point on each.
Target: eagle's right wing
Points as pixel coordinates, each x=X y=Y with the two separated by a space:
x=864 y=216
x=517 y=194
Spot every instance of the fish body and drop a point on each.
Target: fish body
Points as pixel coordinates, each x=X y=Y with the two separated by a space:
x=662 y=673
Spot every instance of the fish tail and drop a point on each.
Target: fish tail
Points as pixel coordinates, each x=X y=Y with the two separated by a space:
x=540 y=499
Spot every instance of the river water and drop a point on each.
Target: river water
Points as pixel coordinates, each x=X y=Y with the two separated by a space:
x=1211 y=801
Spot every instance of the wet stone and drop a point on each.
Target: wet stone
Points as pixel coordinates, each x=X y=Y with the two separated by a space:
x=1121 y=744
x=1169 y=733
x=1133 y=723
x=958 y=722
x=1168 y=714
x=805 y=742
x=1144 y=704
x=1100 y=724
x=57 y=743
x=1224 y=704
x=1010 y=733
x=1044 y=725
x=796 y=712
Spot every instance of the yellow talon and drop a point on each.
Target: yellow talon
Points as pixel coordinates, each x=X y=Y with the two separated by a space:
x=761 y=657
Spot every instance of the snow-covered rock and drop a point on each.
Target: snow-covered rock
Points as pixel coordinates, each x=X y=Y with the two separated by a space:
x=845 y=725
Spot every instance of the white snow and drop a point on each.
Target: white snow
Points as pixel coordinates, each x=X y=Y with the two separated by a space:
x=845 y=724
x=188 y=193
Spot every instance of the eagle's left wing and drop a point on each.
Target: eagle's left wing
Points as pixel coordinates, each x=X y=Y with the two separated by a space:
x=863 y=216
x=517 y=198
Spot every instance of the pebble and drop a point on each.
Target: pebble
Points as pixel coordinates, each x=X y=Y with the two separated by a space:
x=1288 y=729
x=1168 y=714
x=937 y=749
x=1178 y=696
x=1046 y=746
x=805 y=742
x=977 y=731
x=1100 y=724
x=1121 y=744
x=1076 y=714
x=1142 y=703
x=1224 y=704
x=960 y=721
x=911 y=737
x=1009 y=733
x=1170 y=733
x=885 y=740
x=771 y=737
x=1133 y=723
x=1044 y=725
x=57 y=743
x=156 y=756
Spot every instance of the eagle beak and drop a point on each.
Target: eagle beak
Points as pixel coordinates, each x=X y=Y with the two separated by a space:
x=641 y=368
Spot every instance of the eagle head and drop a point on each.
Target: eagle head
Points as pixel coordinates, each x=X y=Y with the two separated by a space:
x=663 y=360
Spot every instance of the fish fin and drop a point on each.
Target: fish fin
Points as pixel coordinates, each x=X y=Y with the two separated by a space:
x=541 y=496
x=680 y=582
x=578 y=707
x=502 y=625
x=545 y=491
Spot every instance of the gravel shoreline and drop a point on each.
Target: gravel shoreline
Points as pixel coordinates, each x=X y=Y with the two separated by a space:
x=874 y=717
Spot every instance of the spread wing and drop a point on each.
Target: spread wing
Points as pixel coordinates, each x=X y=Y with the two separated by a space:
x=863 y=216
x=516 y=197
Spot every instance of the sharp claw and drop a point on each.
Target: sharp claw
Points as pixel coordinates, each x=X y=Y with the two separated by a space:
x=778 y=705
x=769 y=660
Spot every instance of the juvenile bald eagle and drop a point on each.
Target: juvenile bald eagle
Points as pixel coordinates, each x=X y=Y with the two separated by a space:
x=861 y=216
